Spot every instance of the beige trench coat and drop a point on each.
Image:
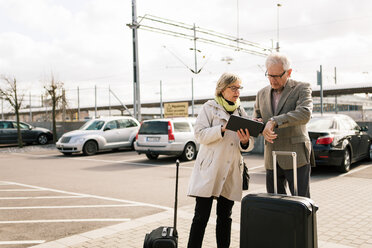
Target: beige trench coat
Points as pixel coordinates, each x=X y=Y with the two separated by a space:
x=217 y=170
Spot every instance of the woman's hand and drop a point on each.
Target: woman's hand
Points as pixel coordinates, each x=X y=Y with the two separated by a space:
x=223 y=128
x=243 y=136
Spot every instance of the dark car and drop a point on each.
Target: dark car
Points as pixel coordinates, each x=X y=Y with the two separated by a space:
x=338 y=141
x=30 y=134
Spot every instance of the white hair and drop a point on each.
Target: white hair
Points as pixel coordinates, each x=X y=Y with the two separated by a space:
x=278 y=58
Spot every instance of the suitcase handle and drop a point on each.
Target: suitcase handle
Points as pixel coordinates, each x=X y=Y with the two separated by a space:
x=176 y=196
x=294 y=157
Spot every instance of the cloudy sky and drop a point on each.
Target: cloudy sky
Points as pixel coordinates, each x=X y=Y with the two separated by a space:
x=86 y=43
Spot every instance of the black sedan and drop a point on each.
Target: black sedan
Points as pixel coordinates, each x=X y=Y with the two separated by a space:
x=338 y=141
x=30 y=134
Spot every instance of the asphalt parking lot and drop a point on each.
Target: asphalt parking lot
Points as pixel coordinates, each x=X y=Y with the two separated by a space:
x=45 y=196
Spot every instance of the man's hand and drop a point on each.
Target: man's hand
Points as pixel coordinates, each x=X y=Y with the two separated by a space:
x=268 y=132
x=243 y=136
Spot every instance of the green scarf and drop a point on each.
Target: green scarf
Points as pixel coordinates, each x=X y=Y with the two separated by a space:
x=229 y=108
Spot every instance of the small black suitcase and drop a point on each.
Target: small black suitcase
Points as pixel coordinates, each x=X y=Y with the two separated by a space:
x=165 y=237
x=280 y=221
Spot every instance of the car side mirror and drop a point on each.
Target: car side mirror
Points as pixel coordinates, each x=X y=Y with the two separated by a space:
x=364 y=128
x=106 y=128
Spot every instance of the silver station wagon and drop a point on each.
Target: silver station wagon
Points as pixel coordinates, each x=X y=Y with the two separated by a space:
x=173 y=136
x=100 y=134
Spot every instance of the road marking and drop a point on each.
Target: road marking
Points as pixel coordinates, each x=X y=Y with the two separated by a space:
x=117 y=161
x=20 y=242
x=132 y=163
x=26 y=190
x=257 y=167
x=78 y=206
x=90 y=196
x=64 y=220
x=41 y=197
x=355 y=170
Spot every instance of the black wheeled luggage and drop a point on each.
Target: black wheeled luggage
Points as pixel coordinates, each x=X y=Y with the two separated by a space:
x=280 y=221
x=165 y=237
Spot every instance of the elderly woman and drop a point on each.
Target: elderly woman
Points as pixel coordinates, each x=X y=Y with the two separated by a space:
x=217 y=172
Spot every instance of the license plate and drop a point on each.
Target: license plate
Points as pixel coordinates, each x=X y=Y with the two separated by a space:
x=153 y=139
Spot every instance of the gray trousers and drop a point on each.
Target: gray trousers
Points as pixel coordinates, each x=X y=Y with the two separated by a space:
x=284 y=176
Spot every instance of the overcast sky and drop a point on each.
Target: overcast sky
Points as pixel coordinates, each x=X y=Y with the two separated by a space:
x=86 y=43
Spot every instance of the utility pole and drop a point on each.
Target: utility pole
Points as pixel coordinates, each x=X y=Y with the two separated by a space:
x=136 y=84
x=109 y=100
x=161 y=99
x=320 y=82
x=30 y=107
x=2 y=108
x=192 y=96
x=95 y=101
x=335 y=95
x=78 y=95
x=277 y=28
x=196 y=65
x=64 y=105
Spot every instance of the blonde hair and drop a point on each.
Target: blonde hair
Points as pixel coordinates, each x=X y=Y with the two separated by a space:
x=225 y=80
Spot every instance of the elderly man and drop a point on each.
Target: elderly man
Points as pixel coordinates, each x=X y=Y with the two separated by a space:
x=285 y=106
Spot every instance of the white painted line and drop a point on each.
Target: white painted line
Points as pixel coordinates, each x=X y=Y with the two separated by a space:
x=355 y=170
x=257 y=167
x=91 y=196
x=23 y=190
x=78 y=206
x=133 y=163
x=42 y=197
x=21 y=242
x=64 y=220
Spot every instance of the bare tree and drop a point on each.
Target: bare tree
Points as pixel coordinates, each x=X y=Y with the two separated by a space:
x=56 y=91
x=11 y=94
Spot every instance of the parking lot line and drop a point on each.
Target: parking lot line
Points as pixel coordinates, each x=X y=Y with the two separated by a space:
x=13 y=190
x=22 y=242
x=85 y=195
x=78 y=206
x=64 y=220
x=355 y=170
x=41 y=197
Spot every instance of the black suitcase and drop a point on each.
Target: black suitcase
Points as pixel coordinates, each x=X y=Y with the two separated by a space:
x=280 y=221
x=165 y=237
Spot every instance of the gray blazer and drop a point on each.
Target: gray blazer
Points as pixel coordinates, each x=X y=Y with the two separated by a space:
x=293 y=112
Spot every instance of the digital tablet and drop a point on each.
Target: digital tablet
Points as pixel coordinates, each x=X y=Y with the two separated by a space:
x=236 y=123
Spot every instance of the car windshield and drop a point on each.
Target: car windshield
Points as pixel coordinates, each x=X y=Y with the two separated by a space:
x=93 y=125
x=320 y=124
x=154 y=127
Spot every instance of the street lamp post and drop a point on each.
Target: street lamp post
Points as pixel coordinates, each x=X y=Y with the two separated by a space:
x=277 y=28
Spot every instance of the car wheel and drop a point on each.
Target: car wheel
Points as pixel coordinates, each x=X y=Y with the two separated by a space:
x=90 y=148
x=132 y=145
x=42 y=139
x=369 y=153
x=67 y=153
x=152 y=156
x=189 y=152
x=346 y=162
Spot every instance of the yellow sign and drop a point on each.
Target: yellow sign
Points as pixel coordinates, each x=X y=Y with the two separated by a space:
x=176 y=109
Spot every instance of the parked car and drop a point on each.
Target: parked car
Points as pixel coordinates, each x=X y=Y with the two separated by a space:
x=173 y=136
x=338 y=141
x=30 y=134
x=100 y=134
